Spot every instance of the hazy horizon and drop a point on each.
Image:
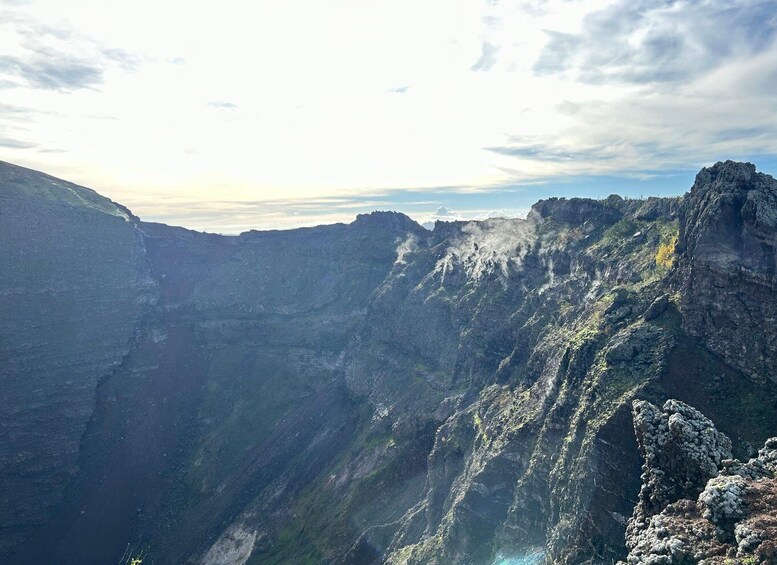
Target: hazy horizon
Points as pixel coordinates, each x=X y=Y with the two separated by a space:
x=270 y=115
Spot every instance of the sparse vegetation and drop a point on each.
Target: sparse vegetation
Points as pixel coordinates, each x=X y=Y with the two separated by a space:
x=665 y=256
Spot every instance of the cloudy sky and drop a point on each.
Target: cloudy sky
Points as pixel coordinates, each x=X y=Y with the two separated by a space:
x=238 y=114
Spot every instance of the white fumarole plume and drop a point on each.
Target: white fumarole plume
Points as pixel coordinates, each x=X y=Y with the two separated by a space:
x=409 y=245
x=490 y=246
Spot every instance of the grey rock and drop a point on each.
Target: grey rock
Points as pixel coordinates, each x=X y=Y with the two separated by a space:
x=635 y=345
x=656 y=308
x=682 y=450
x=727 y=265
x=722 y=500
x=734 y=515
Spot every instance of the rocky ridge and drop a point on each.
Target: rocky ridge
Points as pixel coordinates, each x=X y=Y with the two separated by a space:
x=375 y=392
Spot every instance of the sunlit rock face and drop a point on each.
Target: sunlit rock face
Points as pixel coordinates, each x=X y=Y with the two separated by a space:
x=697 y=505
x=363 y=393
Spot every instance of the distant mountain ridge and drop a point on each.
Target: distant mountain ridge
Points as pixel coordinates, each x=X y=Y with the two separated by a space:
x=367 y=392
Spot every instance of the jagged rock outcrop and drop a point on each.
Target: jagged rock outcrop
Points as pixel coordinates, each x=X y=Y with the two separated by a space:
x=682 y=451
x=613 y=208
x=727 y=265
x=696 y=504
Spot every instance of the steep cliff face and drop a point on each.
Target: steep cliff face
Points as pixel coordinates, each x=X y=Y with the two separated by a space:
x=74 y=286
x=375 y=392
x=232 y=397
x=554 y=335
x=728 y=265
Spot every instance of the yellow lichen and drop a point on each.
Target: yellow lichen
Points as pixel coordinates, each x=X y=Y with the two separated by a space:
x=665 y=255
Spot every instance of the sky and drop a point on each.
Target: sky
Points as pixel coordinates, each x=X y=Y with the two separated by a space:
x=266 y=114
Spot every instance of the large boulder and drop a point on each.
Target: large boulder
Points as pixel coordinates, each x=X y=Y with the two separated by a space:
x=681 y=518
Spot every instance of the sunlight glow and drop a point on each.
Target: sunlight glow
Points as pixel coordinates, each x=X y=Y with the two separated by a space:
x=255 y=101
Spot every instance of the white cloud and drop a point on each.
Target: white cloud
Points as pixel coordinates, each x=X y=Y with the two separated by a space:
x=257 y=101
x=444 y=212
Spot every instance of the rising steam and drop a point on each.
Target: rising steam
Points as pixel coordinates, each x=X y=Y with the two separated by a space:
x=409 y=245
x=491 y=246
